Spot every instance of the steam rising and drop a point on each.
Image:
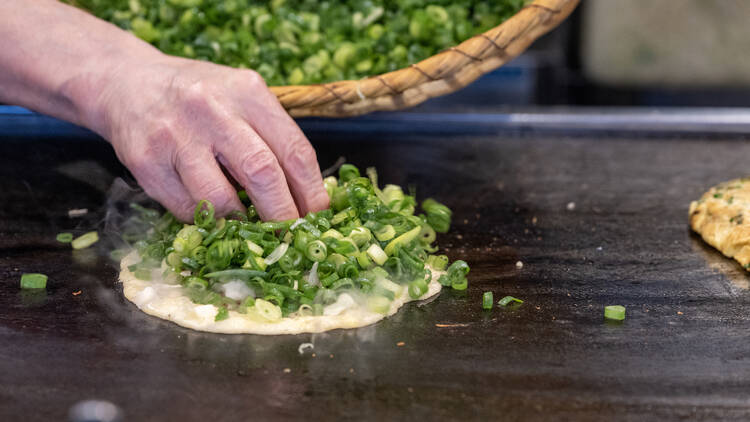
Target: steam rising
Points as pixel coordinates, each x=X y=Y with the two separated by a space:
x=121 y=224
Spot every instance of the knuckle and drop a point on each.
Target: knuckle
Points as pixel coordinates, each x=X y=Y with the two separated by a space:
x=138 y=162
x=159 y=141
x=261 y=170
x=300 y=154
x=252 y=78
x=160 y=133
x=185 y=207
x=196 y=96
x=186 y=156
x=184 y=211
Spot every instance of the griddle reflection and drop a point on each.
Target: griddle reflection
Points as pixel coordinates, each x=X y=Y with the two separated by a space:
x=730 y=268
x=33 y=298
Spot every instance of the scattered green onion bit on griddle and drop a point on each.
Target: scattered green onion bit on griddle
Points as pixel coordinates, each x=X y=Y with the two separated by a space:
x=85 y=240
x=33 y=281
x=487 y=300
x=64 y=237
x=508 y=299
x=371 y=243
x=614 y=312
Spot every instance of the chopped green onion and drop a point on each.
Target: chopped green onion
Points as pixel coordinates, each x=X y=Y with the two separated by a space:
x=417 y=289
x=330 y=183
x=507 y=299
x=363 y=260
x=306 y=42
x=236 y=274
x=143 y=274
x=344 y=215
x=460 y=284
x=248 y=302
x=385 y=233
x=187 y=239
x=614 y=312
x=377 y=254
x=118 y=254
x=387 y=285
x=277 y=253
x=379 y=304
x=438 y=215
x=427 y=234
x=196 y=283
x=361 y=236
x=437 y=262
x=487 y=300
x=64 y=237
x=362 y=244
x=332 y=233
x=267 y=310
x=203 y=216
x=402 y=240
x=347 y=172
x=316 y=251
x=33 y=281
x=85 y=240
x=222 y=314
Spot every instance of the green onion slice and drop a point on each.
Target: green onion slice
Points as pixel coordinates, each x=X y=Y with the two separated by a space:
x=33 y=281
x=267 y=310
x=222 y=314
x=417 y=289
x=614 y=312
x=85 y=240
x=379 y=304
x=237 y=274
x=64 y=237
x=487 y=300
x=508 y=299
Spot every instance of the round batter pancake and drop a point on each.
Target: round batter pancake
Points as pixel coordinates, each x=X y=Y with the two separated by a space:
x=722 y=217
x=166 y=299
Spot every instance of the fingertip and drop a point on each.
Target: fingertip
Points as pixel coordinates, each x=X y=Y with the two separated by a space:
x=184 y=215
x=172 y=195
x=316 y=201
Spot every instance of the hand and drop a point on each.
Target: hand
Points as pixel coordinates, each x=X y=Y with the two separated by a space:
x=177 y=123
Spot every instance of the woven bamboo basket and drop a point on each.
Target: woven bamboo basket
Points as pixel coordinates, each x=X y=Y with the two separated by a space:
x=438 y=75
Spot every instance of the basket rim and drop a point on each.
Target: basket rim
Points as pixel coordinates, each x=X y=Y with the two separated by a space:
x=455 y=66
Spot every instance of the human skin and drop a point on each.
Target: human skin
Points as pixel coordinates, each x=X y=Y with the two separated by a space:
x=175 y=123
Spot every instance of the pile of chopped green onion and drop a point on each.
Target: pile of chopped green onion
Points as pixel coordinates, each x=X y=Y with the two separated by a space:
x=370 y=241
x=292 y=42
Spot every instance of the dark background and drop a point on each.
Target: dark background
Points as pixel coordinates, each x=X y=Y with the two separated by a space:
x=551 y=73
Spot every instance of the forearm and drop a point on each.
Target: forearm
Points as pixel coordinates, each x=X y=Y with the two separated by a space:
x=57 y=60
x=177 y=124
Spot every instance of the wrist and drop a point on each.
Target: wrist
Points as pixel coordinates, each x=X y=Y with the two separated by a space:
x=94 y=91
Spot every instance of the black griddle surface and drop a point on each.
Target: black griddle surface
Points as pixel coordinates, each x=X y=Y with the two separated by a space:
x=682 y=352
